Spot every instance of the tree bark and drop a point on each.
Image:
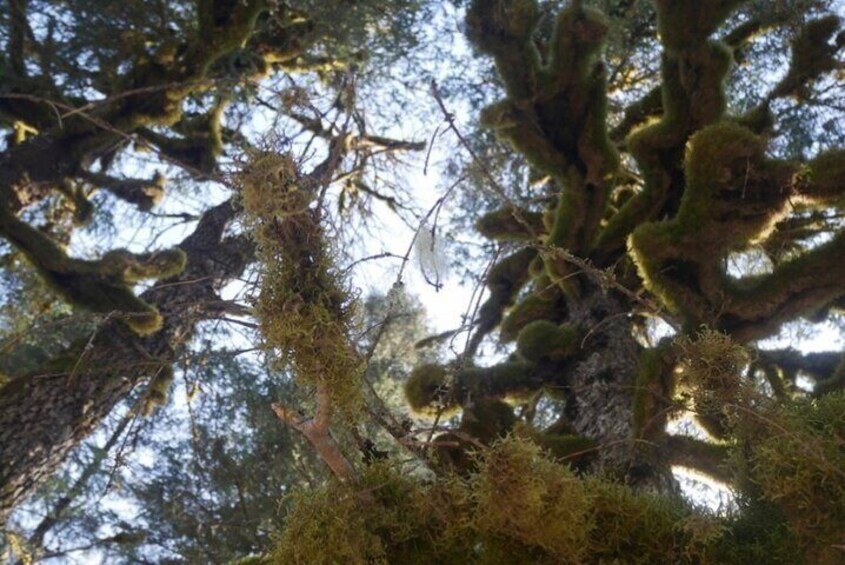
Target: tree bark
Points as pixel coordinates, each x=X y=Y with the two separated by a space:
x=46 y=414
x=603 y=388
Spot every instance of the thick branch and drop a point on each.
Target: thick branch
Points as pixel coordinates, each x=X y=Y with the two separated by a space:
x=709 y=458
x=144 y=193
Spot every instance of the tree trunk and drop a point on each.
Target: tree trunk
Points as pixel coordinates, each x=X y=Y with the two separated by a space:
x=44 y=415
x=603 y=389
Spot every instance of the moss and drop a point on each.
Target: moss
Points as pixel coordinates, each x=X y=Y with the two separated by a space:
x=759 y=120
x=504 y=29
x=799 y=464
x=509 y=275
x=713 y=365
x=132 y=267
x=305 y=307
x=144 y=323
x=756 y=533
x=426 y=391
x=516 y=381
x=532 y=307
x=685 y=25
x=571 y=449
x=717 y=157
x=487 y=419
x=522 y=496
x=484 y=421
x=157 y=391
x=543 y=340
x=99 y=286
x=821 y=179
x=507 y=224
x=579 y=34
x=430 y=390
x=652 y=389
x=519 y=506
x=387 y=517
x=644 y=528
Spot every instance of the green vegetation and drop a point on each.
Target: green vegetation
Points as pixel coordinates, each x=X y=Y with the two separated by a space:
x=654 y=189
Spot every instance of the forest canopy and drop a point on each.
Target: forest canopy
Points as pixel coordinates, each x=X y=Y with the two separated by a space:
x=215 y=215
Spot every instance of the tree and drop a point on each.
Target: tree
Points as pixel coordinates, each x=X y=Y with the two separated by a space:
x=651 y=173
x=88 y=91
x=642 y=213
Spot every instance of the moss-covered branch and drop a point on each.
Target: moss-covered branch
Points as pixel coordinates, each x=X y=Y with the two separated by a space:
x=144 y=193
x=98 y=286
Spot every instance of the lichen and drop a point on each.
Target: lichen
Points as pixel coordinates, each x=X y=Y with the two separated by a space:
x=305 y=310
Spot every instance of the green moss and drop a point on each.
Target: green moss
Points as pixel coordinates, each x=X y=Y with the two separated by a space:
x=306 y=309
x=717 y=157
x=132 y=267
x=569 y=449
x=504 y=29
x=519 y=506
x=798 y=462
x=516 y=381
x=507 y=224
x=426 y=391
x=821 y=179
x=143 y=323
x=487 y=419
x=653 y=388
x=756 y=533
x=759 y=120
x=578 y=36
x=543 y=340
x=429 y=391
x=532 y=307
x=522 y=496
x=157 y=390
x=713 y=365
x=643 y=528
x=98 y=286
x=386 y=517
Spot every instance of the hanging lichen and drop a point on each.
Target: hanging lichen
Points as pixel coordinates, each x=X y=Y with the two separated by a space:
x=305 y=310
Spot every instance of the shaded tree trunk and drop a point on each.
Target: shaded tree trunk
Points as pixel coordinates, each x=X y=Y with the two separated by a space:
x=603 y=389
x=46 y=414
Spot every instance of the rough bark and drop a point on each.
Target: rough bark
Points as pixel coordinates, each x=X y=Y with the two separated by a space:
x=46 y=414
x=603 y=388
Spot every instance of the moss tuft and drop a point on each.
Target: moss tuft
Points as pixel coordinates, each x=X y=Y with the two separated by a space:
x=144 y=323
x=157 y=391
x=304 y=307
x=521 y=495
x=507 y=224
x=543 y=340
x=131 y=267
x=426 y=391
x=798 y=462
x=712 y=369
x=532 y=307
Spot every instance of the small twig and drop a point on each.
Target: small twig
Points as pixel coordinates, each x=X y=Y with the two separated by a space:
x=316 y=431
